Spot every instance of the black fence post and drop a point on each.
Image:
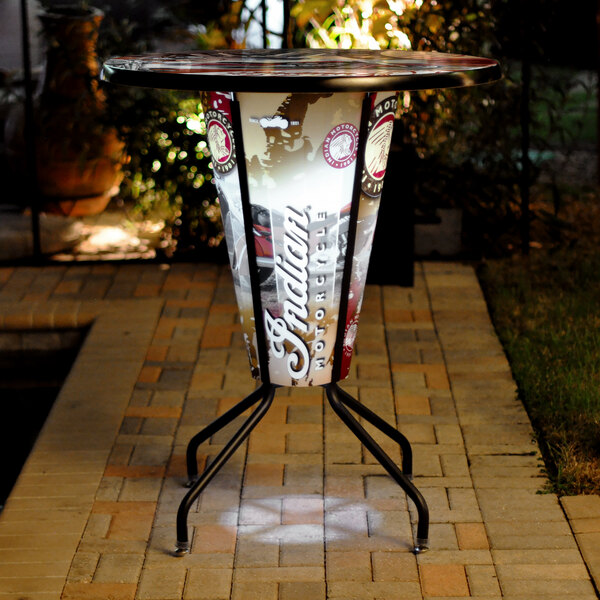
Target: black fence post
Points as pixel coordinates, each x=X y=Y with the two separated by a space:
x=526 y=45
x=29 y=133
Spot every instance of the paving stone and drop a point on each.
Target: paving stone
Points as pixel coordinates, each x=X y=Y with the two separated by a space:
x=302 y=590
x=381 y=590
x=162 y=583
x=350 y=486
x=33 y=570
x=454 y=465
x=506 y=542
x=170 y=398
x=518 y=505
x=581 y=507
x=348 y=566
x=585 y=525
x=305 y=414
x=589 y=544
x=280 y=574
x=210 y=539
x=483 y=581
x=253 y=553
x=528 y=528
x=119 y=568
x=304 y=442
x=471 y=536
x=444 y=580
x=257 y=474
x=394 y=566
x=122 y=471
x=260 y=512
x=382 y=486
x=301 y=554
x=412 y=404
x=536 y=556
x=456 y=557
x=302 y=510
x=83 y=567
x=208 y=584
x=252 y=590
x=140 y=490
x=130 y=526
x=442 y=536
x=97 y=526
x=159 y=426
x=560 y=588
x=306 y=477
x=394 y=523
x=525 y=572
x=99 y=591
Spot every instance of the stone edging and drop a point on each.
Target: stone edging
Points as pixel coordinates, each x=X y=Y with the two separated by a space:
x=45 y=516
x=583 y=513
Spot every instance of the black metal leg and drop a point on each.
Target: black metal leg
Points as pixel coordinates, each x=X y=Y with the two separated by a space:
x=333 y=395
x=216 y=425
x=383 y=426
x=183 y=544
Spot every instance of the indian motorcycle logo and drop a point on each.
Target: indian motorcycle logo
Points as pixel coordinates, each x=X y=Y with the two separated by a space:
x=284 y=332
x=381 y=124
x=220 y=141
x=341 y=146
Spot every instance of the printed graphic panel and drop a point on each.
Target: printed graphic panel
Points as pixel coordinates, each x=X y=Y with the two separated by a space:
x=301 y=158
x=219 y=132
x=381 y=125
x=301 y=154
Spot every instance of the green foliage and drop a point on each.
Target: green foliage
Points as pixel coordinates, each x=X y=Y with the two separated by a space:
x=351 y=24
x=168 y=174
x=546 y=313
x=468 y=141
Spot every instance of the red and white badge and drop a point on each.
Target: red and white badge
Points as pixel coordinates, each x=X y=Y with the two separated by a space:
x=341 y=146
x=381 y=125
x=220 y=141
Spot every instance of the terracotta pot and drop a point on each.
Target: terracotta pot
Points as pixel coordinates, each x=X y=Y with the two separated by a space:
x=79 y=156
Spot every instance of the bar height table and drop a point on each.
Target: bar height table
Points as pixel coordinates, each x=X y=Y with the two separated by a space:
x=299 y=142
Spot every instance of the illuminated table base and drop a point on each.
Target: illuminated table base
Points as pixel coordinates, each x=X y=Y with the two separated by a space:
x=299 y=147
x=299 y=221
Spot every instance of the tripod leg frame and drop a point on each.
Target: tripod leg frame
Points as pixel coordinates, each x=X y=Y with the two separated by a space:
x=340 y=401
x=265 y=394
x=214 y=427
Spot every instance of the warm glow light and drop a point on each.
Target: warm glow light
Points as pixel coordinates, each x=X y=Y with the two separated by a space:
x=110 y=237
x=353 y=26
x=195 y=125
x=304 y=519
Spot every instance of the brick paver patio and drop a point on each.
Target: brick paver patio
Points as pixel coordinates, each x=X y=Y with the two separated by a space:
x=301 y=512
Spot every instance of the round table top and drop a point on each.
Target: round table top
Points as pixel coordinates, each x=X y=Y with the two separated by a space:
x=300 y=70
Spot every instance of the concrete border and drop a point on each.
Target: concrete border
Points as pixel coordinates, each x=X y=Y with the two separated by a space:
x=46 y=514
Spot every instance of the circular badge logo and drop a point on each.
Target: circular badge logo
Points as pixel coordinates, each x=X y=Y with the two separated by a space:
x=381 y=126
x=220 y=141
x=341 y=145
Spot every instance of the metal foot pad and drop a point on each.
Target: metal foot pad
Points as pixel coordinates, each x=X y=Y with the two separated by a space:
x=421 y=545
x=182 y=548
x=191 y=481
